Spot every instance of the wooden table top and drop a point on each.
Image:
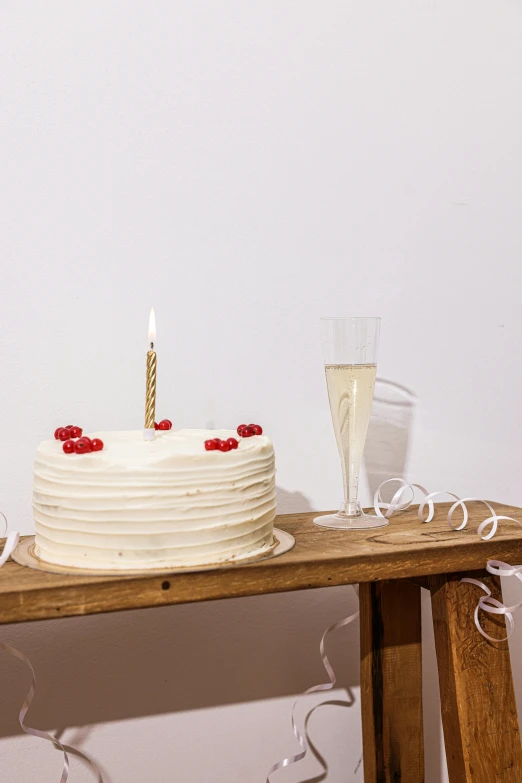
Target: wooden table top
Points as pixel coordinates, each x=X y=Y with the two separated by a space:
x=320 y=558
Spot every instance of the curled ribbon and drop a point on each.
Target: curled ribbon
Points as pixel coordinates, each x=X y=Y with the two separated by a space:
x=314 y=689
x=43 y=734
x=9 y=547
x=492 y=605
x=486 y=602
x=10 y=544
x=397 y=503
x=25 y=707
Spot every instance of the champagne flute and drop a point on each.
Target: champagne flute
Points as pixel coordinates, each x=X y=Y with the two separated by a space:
x=350 y=358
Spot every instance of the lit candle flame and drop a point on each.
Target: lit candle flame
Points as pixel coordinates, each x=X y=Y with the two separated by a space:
x=152 y=327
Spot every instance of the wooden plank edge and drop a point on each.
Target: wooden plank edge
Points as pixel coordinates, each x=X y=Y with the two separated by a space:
x=116 y=595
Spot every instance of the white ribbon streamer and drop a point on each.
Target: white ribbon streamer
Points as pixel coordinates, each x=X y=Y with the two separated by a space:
x=486 y=603
x=398 y=503
x=9 y=547
x=492 y=605
x=315 y=689
x=10 y=544
x=25 y=707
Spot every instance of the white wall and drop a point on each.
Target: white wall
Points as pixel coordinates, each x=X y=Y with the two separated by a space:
x=247 y=167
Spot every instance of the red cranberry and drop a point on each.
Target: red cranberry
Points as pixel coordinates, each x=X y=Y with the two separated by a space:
x=96 y=444
x=76 y=432
x=232 y=442
x=68 y=446
x=56 y=436
x=84 y=439
x=211 y=445
x=165 y=424
x=224 y=446
x=156 y=425
x=258 y=430
x=83 y=446
x=247 y=432
x=64 y=433
x=240 y=428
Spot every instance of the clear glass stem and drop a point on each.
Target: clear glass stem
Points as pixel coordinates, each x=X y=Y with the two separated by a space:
x=351 y=508
x=350 y=505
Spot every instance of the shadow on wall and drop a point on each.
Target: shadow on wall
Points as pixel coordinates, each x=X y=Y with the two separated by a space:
x=171 y=659
x=387 y=444
x=386 y=456
x=292 y=502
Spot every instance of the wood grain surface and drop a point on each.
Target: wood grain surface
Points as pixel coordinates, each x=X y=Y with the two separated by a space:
x=479 y=713
x=320 y=558
x=391 y=682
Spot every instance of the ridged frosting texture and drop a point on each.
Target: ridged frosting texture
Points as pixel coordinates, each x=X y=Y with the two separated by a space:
x=153 y=504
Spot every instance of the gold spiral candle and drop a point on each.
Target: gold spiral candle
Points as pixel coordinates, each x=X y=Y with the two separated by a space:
x=150 y=397
x=150 y=394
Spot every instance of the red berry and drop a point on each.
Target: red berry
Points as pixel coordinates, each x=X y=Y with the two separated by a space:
x=258 y=430
x=76 y=432
x=96 y=444
x=156 y=425
x=247 y=432
x=165 y=424
x=217 y=441
x=211 y=445
x=64 y=433
x=68 y=446
x=232 y=442
x=83 y=446
x=240 y=428
x=69 y=426
x=56 y=433
x=169 y=423
x=224 y=446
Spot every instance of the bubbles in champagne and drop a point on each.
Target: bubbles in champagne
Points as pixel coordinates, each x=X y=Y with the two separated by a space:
x=350 y=390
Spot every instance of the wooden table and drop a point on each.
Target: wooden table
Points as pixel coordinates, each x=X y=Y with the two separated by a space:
x=391 y=565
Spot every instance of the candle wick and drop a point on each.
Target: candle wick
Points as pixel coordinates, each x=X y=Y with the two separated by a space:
x=152 y=346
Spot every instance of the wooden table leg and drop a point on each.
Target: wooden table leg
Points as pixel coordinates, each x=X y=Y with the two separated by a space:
x=476 y=688
x=391 y=682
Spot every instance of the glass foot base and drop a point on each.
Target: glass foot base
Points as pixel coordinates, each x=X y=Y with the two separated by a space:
x=345 y=522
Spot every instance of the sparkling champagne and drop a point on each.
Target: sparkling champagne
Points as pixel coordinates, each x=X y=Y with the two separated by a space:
x=350 y=390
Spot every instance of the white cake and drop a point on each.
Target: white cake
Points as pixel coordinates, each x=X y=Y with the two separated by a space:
x=164 y=503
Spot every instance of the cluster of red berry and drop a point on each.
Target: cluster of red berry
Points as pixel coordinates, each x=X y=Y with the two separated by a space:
x=165 y=424
x=64 y=433
x=216 y=444
x=73 y=442
x=244 y=431
x=247 y=430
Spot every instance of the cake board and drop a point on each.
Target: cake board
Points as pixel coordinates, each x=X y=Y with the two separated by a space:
x=24 y=556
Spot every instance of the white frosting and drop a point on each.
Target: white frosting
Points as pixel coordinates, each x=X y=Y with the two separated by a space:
x=153 y=504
